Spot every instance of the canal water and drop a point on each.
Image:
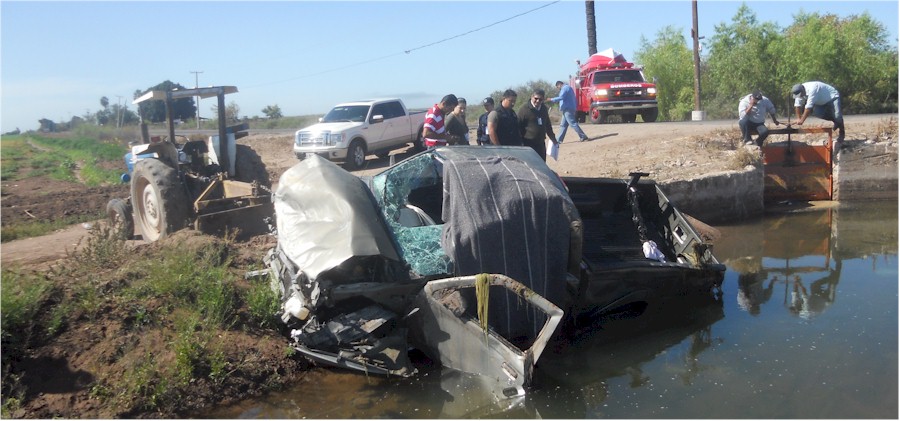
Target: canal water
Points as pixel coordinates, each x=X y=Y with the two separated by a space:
x=807 y=328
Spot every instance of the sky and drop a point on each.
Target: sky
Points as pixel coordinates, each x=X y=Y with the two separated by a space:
x=57 y=59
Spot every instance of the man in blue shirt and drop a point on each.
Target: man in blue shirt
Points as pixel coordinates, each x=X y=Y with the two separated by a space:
x=566 y=100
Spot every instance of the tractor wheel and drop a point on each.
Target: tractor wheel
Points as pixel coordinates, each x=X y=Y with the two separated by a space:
x=650 y=115
x=161 y=205
x=249 y=167
x=121 y=220
x=629 y=118
x=356 y=155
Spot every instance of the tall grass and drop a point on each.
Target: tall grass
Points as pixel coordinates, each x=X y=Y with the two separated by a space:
x=32 y=155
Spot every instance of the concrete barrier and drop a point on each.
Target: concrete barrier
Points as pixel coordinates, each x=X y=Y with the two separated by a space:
x=865 y=172
x=720 y=197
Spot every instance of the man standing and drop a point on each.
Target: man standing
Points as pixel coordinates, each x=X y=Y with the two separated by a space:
x=566 y=100
x=481 y=133
x=433 y=131
x=752 y=111
x=534 y=124
x=823 y=101
x=503 y=124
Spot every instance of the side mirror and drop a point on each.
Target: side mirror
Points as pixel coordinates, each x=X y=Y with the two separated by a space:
x=376 y=119
x=655 y=80
x=321 y=119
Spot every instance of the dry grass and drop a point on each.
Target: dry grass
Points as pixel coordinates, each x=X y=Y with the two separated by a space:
x=886 y=129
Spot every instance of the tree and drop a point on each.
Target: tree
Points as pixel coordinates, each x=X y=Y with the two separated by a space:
x=232 y=111
x=591 y=27
x=669 y=59
x=155 y=111
x=272 y=111
x=741 y=59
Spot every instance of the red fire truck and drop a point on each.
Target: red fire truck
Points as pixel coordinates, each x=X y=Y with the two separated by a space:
x=608 y=85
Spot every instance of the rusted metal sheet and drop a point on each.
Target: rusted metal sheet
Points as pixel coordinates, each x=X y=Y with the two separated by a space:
x=798 y=171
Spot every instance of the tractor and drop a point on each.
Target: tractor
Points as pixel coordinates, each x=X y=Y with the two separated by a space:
x=213 y=184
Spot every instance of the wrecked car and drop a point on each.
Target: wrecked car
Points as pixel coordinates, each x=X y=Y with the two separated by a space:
x=472 y=255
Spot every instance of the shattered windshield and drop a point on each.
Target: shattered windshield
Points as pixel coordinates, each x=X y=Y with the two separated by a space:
x=406 y=194
x=345 y=113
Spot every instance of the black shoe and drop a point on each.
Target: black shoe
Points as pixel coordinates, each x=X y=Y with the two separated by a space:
x=585 y=139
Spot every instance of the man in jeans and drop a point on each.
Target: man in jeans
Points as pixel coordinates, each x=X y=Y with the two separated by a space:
x=821 y=100
x=566 y=100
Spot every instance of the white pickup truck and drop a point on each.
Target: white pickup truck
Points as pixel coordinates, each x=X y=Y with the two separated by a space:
x=352 y=130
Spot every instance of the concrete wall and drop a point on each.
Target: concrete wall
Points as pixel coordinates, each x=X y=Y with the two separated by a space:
x=721 y=197
x=866 y=172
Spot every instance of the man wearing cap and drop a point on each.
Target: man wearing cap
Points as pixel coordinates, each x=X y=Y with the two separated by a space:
x=821 y=100
x=752 y=111
x=434 y=133
x=482 y=134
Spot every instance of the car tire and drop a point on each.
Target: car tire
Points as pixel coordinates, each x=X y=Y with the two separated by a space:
x=650 y=115
x=356 y=155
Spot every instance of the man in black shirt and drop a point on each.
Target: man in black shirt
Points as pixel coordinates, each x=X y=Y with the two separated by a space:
x=534 y=124
x=503 y=124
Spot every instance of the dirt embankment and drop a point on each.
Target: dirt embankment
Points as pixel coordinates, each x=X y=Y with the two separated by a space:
x=62 y=375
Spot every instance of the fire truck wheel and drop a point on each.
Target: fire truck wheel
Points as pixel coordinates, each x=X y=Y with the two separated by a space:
x=649 y=116
x=598 y=117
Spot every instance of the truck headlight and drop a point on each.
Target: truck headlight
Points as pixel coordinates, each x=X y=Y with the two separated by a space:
x=334 y=138
x=651 y=91
x=600 y=92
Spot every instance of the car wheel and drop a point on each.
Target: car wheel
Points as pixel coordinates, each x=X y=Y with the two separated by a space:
x=356 y=155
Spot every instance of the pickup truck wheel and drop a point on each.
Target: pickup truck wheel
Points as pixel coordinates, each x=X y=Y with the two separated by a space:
x=649 y=116
x=356 y=155
x=161 y=205
x=121 y=220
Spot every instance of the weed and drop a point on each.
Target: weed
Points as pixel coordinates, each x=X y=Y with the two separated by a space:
x=743 y=157
x=24 y=296
x=262 y=305
x=218 y=365
x=145 y=387
x=886 y=129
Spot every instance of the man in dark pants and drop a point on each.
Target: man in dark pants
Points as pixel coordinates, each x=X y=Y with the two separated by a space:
x=534 y=124
x=821 y=100
x=752 y=111
x=503 y=124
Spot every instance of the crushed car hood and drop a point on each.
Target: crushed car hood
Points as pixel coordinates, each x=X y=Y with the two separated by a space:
x=327 y=215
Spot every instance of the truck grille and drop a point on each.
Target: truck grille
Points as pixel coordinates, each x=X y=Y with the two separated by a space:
x=314 y=139
x=625 y=93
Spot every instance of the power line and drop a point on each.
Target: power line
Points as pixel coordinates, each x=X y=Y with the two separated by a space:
x=409 y=50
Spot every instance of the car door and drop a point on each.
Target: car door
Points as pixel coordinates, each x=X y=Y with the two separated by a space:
x=377 y=133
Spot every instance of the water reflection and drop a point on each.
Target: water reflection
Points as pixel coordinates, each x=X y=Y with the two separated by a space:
x=807 y=328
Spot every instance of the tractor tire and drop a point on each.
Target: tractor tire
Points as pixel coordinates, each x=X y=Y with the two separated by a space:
x=249 y=167
x=629 y=118
x=121 y=219
x=161 y=204
x=650 y=115
x=356 y=155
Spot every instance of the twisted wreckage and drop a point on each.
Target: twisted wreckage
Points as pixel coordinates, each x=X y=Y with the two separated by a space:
x=477 y=256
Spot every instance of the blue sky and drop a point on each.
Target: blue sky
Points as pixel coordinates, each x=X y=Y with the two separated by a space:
x=58 y=58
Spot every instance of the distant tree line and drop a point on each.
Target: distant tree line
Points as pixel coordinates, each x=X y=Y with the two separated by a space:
x=852 y=54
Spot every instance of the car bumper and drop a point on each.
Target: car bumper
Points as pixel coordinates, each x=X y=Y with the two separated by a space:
x=330 y=153
x=624 y=105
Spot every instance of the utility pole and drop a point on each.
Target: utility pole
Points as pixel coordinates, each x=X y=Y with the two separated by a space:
x=119 y=112
x=695 y=34
x=197 y=85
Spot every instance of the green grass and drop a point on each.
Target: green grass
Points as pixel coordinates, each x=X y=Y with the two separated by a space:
x=32 y=155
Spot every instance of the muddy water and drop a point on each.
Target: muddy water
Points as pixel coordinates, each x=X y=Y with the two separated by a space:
x=807 y=328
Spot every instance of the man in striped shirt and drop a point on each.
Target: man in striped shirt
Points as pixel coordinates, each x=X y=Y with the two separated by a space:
x=434 y=133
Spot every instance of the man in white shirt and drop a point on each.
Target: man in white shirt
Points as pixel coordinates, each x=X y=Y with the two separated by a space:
x=752 y=112
x=821 y=100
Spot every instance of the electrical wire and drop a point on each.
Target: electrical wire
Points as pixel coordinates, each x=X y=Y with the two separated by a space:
x=409 y=50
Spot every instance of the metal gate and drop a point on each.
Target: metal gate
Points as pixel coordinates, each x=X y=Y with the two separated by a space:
x=797 y=171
